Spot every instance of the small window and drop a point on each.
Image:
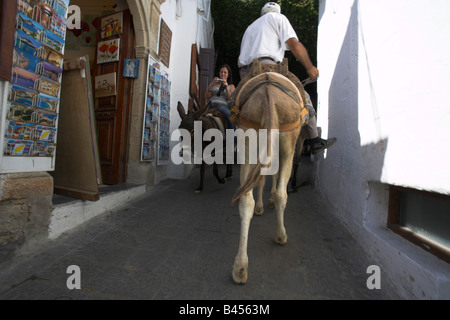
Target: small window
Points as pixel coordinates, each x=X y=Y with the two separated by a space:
x=421 y=217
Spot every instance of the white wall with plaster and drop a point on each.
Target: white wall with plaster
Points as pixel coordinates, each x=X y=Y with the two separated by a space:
x=384 y=71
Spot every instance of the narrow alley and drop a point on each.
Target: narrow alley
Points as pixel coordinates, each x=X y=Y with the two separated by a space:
x=172 y=244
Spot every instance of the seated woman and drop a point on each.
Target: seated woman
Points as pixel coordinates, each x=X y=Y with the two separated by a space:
x=219 y=93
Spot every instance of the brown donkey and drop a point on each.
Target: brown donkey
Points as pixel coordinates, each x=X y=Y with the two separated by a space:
x=268 y=101
x=208 y=119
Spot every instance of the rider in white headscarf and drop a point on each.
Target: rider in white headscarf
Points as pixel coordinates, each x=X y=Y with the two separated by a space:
x=270 y=7
x=267 y=39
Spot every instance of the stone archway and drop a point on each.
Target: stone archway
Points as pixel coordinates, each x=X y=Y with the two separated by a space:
x=146 y=24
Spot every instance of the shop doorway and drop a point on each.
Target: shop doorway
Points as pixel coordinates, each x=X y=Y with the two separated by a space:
x=112 y=109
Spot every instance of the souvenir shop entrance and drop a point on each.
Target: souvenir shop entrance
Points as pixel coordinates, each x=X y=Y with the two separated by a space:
x=108 y=40
x=95 y=108
x=118 y=63
x=113 y=95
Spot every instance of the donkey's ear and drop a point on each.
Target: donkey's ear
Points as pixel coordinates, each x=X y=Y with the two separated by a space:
x=181 y=110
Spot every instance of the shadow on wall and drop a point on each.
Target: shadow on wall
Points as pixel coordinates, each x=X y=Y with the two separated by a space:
x=346 y=177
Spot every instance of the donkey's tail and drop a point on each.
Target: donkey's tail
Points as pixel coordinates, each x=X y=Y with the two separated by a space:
x=253 y=178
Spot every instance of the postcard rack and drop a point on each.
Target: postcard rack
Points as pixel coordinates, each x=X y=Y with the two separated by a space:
x=30 y=117
x=156 y=128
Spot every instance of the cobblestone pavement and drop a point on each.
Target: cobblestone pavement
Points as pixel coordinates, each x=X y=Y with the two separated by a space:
x=174 y=244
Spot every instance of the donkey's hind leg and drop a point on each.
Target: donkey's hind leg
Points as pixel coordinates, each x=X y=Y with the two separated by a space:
x=287 y=148
x=259 y=209
x=296 y=161
x=273 y=191
x=246 y=207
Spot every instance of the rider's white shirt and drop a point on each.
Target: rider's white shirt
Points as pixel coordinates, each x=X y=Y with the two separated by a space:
x=266 y=37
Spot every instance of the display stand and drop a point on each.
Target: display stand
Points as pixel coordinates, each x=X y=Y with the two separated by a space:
x=31 y=106
x=156 y=126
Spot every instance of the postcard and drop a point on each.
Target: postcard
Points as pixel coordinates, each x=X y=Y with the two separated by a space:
x=58 y=26
x=39 y=149
x=24 y=78
x=49 y=87
x=148 y=152
x=153 y=131
x=19 y=130
x=27 y=43
x=61 y=7
x=25 y=60
x=43 y=133
x=156 y=98
x=51 y=56
x=29 y=26
x=44 y=117
x=53 y=41
x=149 y=104
x=47 y=102
x=19 y=112
x=158 y=78
x=50 y=71
x=150 y=90
x=146 y=135
x=43 y=149
x=24 y=7
x=19 y=148
x=23 y=95
x=151 y=74
x=148 y=119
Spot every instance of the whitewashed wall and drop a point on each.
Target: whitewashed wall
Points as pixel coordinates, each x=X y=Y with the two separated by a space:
x=188 y=28
x=385 y=69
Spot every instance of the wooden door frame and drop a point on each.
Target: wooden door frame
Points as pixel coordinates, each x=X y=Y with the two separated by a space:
x=119 y=155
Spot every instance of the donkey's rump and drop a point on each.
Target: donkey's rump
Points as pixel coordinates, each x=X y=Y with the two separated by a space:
x=281 y=90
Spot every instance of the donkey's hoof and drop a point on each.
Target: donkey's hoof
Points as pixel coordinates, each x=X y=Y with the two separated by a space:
x=259 y=211
x=281 y=239
x=240 y=275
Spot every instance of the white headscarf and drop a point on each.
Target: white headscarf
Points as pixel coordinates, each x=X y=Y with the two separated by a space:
x=271 y=7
